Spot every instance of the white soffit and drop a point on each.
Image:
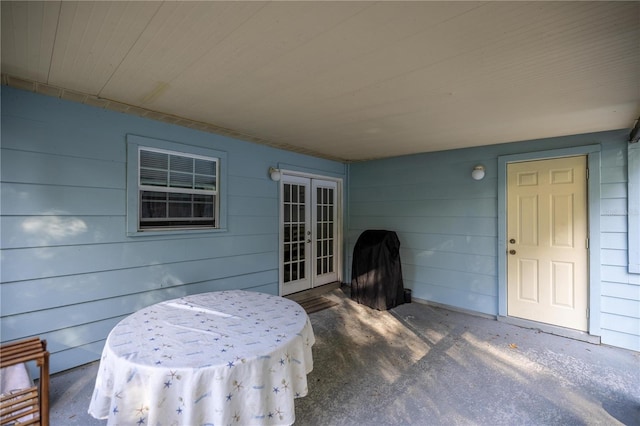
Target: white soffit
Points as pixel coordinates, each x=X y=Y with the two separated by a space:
x=348 y=80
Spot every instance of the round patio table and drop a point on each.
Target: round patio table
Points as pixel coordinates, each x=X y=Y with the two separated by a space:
x=219 y=358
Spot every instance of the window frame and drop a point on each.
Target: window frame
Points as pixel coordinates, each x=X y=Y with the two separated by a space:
x=134 y=146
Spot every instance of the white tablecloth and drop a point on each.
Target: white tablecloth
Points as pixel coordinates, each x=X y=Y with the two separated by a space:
x=221 y=358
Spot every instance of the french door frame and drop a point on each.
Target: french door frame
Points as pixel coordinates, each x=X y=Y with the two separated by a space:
x=338 y=229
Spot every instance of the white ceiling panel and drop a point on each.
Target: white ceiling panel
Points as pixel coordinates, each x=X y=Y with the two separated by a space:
x=28 y=33
x=173 y=43
x=231 y=69
x=347 y=80
x=92 y=40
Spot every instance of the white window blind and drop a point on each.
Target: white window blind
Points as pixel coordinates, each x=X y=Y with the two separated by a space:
x=177 y=190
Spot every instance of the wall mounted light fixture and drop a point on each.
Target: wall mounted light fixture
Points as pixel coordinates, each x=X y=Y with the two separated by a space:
x=478 y=172
x=275 y=174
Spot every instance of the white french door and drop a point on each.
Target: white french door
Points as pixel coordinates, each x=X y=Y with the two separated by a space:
x=309 y=233
x=325 y=231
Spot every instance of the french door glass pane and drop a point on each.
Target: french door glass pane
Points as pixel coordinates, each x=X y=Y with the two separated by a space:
x=324 y=230
x=294 y=232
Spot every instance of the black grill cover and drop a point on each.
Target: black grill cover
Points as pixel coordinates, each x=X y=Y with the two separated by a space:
x=376 y=273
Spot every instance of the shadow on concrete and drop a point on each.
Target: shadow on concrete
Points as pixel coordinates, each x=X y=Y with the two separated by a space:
x=422 y=365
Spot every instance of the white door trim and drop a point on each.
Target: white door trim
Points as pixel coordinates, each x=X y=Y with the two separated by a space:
x=593 y=212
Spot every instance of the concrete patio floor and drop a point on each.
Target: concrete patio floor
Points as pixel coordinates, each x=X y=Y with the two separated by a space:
x=422 y=365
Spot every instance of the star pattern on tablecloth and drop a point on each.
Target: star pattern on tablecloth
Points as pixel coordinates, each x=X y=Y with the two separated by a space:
x=141 y=410
x=278 y=412
x=273 y=326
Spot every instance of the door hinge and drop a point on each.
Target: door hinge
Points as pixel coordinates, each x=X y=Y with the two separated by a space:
x=587 y=243
x=588 y=312
x=587 y=173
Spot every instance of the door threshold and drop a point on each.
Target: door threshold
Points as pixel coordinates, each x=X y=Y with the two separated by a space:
x=313 y=292
x=583 y=336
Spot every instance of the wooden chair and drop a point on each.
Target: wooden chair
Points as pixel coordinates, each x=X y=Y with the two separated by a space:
x=34 y=400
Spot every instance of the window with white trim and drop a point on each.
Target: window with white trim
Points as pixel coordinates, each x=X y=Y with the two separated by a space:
x=176 y=190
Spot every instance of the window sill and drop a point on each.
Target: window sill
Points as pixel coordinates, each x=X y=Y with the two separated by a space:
x=177 y=232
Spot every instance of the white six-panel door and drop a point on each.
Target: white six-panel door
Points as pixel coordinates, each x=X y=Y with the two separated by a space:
x=547 y=251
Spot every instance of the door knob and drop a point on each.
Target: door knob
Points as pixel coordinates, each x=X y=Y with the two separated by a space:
x=309 y=241
x=512 y=241
x=512 y=252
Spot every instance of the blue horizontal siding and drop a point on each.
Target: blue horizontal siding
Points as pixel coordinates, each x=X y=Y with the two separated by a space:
x=47 y=136
x=69 y=315
x=621 y=306
x=251 y=206
x=462 y=262
x=613 y=174
x=615 y=257
x=69 y=271
x=614 y=207
x=618 y=274
x=614 y=240
x=40 y=295
x=614 y=190
x=451 y=225
x=411 y=191
x=25 y=199
x=614 y=224
x=475 y=283
x=447 y=225
x=55 y=169
x=619 y=325
x=461 y=244
x=483 y=207
x=445 y=221
x=58 y=230
x=621 y=291
x=611 y=326
x=70 y=260
x=446 y=295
